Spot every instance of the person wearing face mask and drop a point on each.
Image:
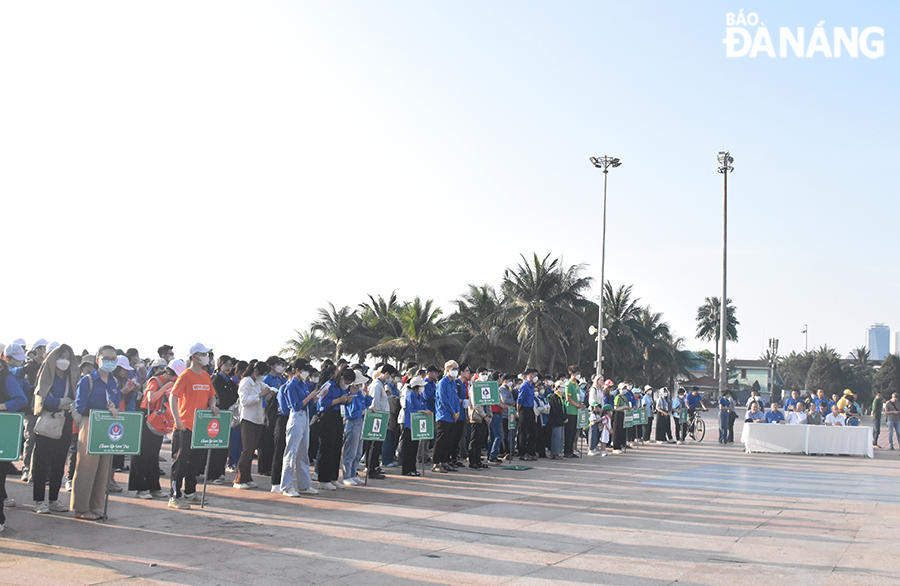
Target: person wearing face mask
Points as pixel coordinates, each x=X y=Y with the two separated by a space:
x=226 y=397
x=525 y=415
x=447 y=413
x=12 y=398
x=331 y=396
x=251 y=392
x=193 y=390
x=98 y=390
x=144 y=475
x=354 y=414
x=379 y=393
x=166 y=353
x=620 y=402
x=266 y=457
x=54 y=396
x=495 y=439
x=573 y=404
x=296 y=399
x=479 y=421
x=392 y=438
x=461 y=431
x=27 y=374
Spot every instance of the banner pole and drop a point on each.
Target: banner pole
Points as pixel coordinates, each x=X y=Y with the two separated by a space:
x=205 y=478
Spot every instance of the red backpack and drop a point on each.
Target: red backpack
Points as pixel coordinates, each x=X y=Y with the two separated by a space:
x=160 y=419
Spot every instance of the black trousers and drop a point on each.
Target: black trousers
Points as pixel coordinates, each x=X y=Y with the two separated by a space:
x=266 y=449
x=680 y=430
x=372 y=452
x=569 y=434
x=663 y=428
x=618 y=430
x=315 y=429
x=48 y=460
x=5 y=468
x=144 y=473
x=477 y=442
x=732 y=417
x=280 y=436
x=217 y=461
x=647 y=428
x=459 y=428
x=331 y=439
x=443 y=437
x=250 y=433
x=408 y=448
x=184 y=464
x=527 y=425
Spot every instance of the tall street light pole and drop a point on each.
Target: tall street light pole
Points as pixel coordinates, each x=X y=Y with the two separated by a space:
x=604 y=163
x=725 y=160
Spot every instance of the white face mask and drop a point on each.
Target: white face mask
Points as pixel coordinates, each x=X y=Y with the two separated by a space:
x=482 y=377
x=279 y=369
x=204 y=359
x=314 y=379
x=344 y=386
x=454 y=373
x=62 y=364
x=304 y=375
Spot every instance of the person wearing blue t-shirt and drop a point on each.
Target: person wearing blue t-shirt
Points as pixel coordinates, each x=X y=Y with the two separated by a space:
x=774 y=415
x=447 y=410
x=525 y=415
x=726 y=406
x=295 y=400
x=754 y=415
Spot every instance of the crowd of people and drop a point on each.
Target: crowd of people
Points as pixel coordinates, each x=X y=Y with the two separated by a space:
x=303 y=423
x=817 y=409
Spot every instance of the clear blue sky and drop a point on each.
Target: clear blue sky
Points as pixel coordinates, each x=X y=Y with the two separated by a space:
x=217 y=171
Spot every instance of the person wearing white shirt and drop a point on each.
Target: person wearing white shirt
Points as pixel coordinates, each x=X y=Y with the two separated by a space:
x=835 y=417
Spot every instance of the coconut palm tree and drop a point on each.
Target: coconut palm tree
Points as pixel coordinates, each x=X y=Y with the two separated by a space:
x=307 y=345
x=621 y=317
x=542 y=297
x=477 y=319
x=708 y=324
x=339 y=326
x=661 y=353
x=422 y=333
x=379 y=321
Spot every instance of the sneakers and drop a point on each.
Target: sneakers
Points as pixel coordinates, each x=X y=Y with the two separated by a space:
x=25 y=475
x=592 y=453
x=220 y=480
x=179 y=504
x=68 y=487
x=314 y=476
x=309 y=490
x=290 y=493
x=143 y=494
x=58 y=507
x=391 y=465
x=9 y=503
x=114 y=486
x=604 y=453
x=351 y=482
x=241 y=485
x=679 y=442
x=158 y=494
x=327 y=486
x=276 y=488
x=41 y=508
x=252 y=484
x=194 y=497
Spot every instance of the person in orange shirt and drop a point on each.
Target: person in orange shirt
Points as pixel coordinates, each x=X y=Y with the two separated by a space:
x=193 y=390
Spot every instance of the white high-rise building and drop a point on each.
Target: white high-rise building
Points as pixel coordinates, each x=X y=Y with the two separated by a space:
x=879 y=341
x=897 y=342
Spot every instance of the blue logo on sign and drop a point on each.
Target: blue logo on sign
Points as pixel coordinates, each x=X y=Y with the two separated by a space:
x=116 y=431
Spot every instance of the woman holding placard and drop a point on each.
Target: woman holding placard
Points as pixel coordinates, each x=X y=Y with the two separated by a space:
x=414 y=402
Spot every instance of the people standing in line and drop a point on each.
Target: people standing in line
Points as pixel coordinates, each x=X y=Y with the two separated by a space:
x=227 y=397
x=726 y=406
x=266 y=446
x=192 y=390
x=252 y=391
x=12 y=399
x=557 y=420
x=647 y=405
x=663 y=417
x=144 y=475
x=54 y=394
x=679 y=407
x=892 y=416
x=332 y=395
x=508 y=403
x=379 y=392
x=96 y=391
x=354 y=418
x=479 y=421
x=413 y=402
x=460 y=443
x=573 y=404
x=446 y=415
x=877 y=404
x=525 y=415
x=297 y=400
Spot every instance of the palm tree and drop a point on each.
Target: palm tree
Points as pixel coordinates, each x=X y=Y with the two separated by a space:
x=422 y=332
x=708 y=324
x=543 y=297
x=477 y=320
x=860 y=356
x=307 y=345
x=379 y=321
x=661 y=353
x=339 y=326
x=621 y=317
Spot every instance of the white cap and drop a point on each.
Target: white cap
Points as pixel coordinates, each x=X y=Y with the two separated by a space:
x=198 y=348
x=19 y=342
x=15 y=351
x=361 y=379
x=158 y=362
x=648 y=388
x=416 y=381
x=52 y=346
x=39 y=343
x=178 y=366
x=123 y=362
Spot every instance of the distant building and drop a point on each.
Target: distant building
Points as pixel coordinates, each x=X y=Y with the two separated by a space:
x=879 y=341
x=897 y=342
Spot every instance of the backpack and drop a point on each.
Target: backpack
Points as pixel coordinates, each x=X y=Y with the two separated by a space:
x=160 y=419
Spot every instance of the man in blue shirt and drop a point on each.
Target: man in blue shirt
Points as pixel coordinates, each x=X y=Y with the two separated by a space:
x=774 y=415
x=295 y=400
x=446 y=415
x=525 y=415
x=679 y=403
x=792 y=401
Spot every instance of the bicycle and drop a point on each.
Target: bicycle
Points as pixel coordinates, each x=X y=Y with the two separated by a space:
x=696 y=427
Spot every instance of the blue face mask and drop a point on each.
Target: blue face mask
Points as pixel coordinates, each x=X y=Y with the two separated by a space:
x=108 y=365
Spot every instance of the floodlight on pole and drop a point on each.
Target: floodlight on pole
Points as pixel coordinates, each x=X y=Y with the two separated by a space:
x=725 y=159
x=604 y=163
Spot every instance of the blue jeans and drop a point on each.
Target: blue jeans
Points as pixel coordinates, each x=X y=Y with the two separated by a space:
x=557 y=434
x=496 y=436
x=595 y=436
x=296 y=452
x=388 y=447
x=237 y=446
x=723 y=426
x=893 y=427
x=352 y=447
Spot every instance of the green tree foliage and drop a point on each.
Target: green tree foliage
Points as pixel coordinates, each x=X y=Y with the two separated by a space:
x=825 y=372
x=709 y=322
x=793 y=369
x=887 y=379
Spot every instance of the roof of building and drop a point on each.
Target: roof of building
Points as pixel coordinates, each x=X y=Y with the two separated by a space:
x=749 y=364
x=707 y=382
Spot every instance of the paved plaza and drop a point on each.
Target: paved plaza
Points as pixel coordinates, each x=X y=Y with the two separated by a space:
x=697 y=514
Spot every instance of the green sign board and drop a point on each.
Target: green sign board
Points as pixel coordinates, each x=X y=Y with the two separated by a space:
x=511 y=415
x=641 y=414
x=683 y=415
x=421 y=427
x=583 y=420
x=115 y=435
x=11 y=436
x=211 y=432
x=375 y=426
x=486 y=393
x=629 y=418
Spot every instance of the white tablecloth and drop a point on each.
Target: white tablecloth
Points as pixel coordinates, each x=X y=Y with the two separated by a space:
x=807 y=439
